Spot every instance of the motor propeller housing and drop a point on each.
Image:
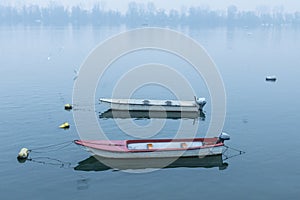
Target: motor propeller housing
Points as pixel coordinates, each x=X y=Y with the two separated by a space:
x=222 y=137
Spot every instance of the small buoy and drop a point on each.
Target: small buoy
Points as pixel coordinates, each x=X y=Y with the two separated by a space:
x=271 y=78
x=68 y=106
x=65 y=125
x=23 y=154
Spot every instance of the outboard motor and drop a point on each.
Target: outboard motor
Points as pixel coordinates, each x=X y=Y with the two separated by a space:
x=222 y=137
x=201 y=102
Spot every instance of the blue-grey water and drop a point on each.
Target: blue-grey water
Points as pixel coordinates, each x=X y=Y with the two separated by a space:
x=36 y=76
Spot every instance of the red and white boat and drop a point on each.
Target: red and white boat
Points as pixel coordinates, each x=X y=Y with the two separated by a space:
x=156 y=148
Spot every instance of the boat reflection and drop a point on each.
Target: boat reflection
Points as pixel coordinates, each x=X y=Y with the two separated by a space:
x=94 y=164
x=152 y=114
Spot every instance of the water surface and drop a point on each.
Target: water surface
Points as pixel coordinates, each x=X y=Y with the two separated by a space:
x=36 y=67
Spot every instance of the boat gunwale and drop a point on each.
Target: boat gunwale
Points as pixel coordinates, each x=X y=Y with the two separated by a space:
x=174 y=149
x=123 y=148
x=177 y=104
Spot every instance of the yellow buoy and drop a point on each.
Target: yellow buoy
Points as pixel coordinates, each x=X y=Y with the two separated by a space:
x=65 y=125
x=23 y=154
x=68 y=106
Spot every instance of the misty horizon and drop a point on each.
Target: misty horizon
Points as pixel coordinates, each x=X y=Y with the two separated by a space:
x=122 y=6
x=145 y=15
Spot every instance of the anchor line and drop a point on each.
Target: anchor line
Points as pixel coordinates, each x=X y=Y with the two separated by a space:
x=240 y=151
x=234 y=155
x=65 y=144
x=227 y=157
x=225 y=149
x=43 y=160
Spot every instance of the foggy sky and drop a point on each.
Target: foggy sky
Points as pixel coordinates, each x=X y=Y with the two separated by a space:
x=121 y=5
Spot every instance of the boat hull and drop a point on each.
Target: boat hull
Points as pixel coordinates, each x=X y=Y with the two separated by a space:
x=153 y=105
x=153 y=148
x=159 y=154
x=116 y=106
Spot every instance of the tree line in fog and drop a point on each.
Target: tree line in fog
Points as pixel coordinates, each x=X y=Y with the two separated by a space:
x=144 y=15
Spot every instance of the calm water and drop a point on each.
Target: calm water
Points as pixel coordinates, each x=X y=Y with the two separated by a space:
x=36 y=69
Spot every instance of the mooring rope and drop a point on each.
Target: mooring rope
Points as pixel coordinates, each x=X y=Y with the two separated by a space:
x=240 y=152
x=65 y=144
x=55 y=162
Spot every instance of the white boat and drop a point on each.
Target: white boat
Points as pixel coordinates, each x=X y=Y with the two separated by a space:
x=155 y=105
x=156 y=148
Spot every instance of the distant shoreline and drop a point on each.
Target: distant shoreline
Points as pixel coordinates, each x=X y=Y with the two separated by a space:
x=138 y=16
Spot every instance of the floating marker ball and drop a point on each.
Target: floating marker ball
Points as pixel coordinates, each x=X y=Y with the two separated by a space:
x=68 y=107
x=23 y=154
x=65 y=125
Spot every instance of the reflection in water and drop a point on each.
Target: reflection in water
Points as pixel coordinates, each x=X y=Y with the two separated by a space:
x=83 y=184
x=152 y=114
x=47 y=161
x=93 y=163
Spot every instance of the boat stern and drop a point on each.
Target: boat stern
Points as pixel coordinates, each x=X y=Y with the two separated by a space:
x=222 y=137
x=200 y=102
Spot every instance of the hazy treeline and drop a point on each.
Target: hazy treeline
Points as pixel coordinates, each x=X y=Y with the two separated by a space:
x=140 y=14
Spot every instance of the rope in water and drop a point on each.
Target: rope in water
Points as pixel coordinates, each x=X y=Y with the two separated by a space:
x=234 y=155
x=59 y=145
x=241 y=152
x=51 y=161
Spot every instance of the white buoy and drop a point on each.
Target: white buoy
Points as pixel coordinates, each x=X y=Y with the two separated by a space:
x=23 y=154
